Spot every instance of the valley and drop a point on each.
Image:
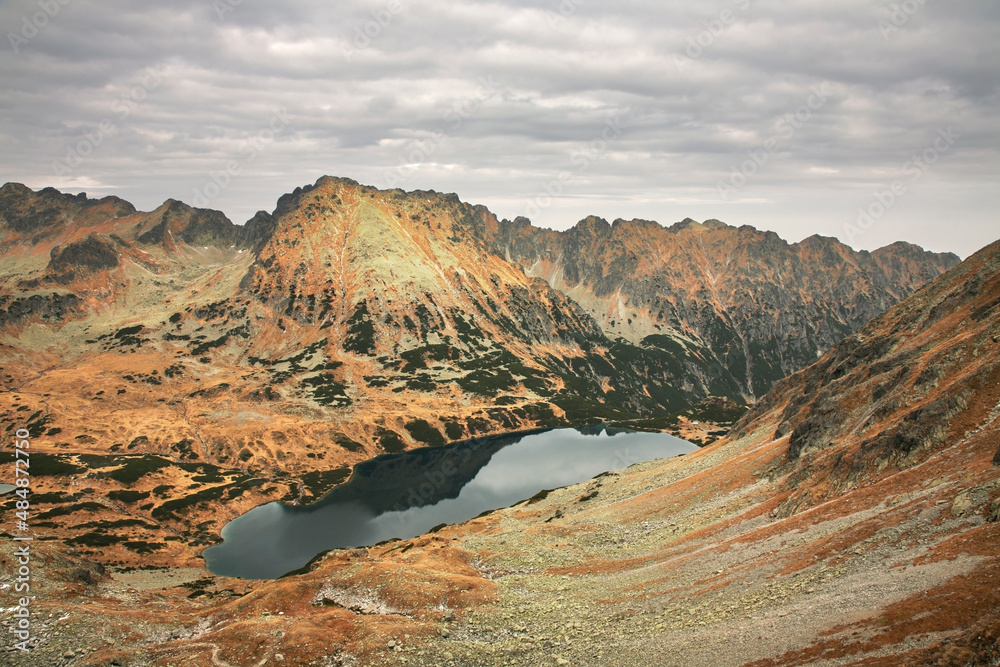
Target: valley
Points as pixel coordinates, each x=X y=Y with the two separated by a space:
x=175 y=371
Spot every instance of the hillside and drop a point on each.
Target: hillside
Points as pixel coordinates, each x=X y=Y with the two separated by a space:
x=758 y=306
x=346 y=299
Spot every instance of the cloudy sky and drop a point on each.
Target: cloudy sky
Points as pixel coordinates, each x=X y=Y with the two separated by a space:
x=860 y=119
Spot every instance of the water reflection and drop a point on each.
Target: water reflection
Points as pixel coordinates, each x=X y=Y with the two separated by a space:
x=404 y=495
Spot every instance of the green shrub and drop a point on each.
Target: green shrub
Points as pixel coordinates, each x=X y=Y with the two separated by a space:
x=423 y=432
x=128 y=496
x=390 y=440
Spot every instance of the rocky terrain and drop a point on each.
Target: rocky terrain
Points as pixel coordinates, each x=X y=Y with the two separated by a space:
x=755 y=305
x=175 y=370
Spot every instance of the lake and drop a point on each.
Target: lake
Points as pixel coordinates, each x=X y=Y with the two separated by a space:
x=405 y=495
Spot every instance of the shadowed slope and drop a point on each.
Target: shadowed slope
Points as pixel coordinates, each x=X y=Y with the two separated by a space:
x=758 y=306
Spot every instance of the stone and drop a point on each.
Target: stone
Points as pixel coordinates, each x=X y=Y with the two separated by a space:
x=962 y=504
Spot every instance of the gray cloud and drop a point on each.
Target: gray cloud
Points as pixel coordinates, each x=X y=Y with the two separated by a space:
x=392 y=92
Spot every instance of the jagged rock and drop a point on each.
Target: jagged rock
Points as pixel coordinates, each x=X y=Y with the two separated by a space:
x=38 y=215
x=702 y=287
x=897 y=399
x=177 y=221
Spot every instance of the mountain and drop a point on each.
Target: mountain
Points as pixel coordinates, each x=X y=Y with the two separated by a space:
x=347 y=301
x=851 y=517
x=370 y=320
x=753 y=304
x=173 y=350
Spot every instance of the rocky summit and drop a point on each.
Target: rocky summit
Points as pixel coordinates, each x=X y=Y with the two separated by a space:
x=175 y=370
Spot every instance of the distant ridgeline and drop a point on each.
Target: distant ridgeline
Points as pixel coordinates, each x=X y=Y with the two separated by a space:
x=368 y=321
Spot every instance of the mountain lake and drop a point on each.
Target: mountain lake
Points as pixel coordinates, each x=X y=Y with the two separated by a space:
x=408 y=494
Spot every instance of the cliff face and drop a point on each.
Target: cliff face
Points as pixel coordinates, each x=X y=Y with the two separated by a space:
x=756 y=305
x=915 y=382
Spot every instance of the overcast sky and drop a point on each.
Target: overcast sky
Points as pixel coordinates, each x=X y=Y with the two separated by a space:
x=790 y=116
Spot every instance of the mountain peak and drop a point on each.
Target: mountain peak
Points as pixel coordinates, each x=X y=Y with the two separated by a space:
x=716 y=224
x=636 y=223
x=175 y=221
x=47 y=211
x=638 y=280
x=594 y=222
x=913 y=250
x=709 y=282
x=15 y=189
x=685 y=225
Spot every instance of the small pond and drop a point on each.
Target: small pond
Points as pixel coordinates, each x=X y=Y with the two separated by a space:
x=405 y=495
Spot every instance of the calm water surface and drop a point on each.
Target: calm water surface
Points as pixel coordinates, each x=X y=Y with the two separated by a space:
x=405 y=495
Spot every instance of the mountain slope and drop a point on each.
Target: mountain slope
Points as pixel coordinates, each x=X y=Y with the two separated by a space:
x=850 y=519
x=174 y=382
x=346 y=303
x=183 y=359
x=758 y=306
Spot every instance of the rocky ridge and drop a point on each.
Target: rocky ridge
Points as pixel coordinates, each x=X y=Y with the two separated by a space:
x=706 y=285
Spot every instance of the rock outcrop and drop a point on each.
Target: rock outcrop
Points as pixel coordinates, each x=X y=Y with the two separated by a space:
x=90 y=255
